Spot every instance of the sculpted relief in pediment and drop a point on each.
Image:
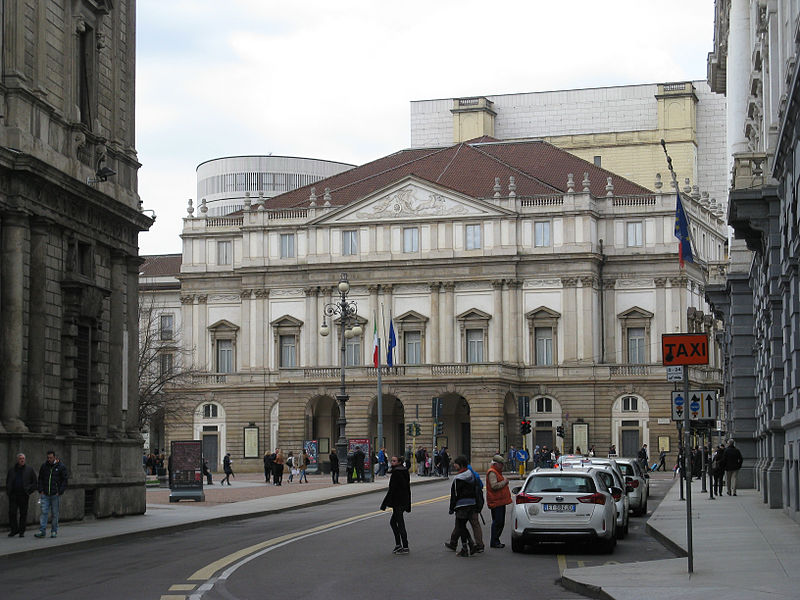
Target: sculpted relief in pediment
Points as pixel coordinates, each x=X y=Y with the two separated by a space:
x=413 y=202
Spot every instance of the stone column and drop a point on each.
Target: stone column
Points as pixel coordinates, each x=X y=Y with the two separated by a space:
x=738 y=75
x=116 y=343
x=434 y=344
x=387 y=304
x=569 y=308
x=583 y=322
x=498 y=345
x=246 y=358
x=449 y=322
x=610 y=319
x=132 y=367
x=374 y=313
x=37 y=330
x=12 y=335
x=661 y=319
x=260 y=323
x=202 y=333
x=332 y=357
x=515 y=325
x=312 y=331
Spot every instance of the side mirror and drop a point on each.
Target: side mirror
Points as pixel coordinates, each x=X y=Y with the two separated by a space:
x=646 y=476
x=515 y=490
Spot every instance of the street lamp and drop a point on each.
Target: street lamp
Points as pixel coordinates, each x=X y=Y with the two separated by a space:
x=347 y=310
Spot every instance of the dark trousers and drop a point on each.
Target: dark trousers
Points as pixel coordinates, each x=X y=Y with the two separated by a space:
x=277 y=474
x=662 y=466
x=334 y=473
x=718 y=482
x=475 y=522
x=360 y=474
x=208 y=478
x=498 y=523
x=462 y=533
x=398 y=527
x=17 y=504
x=267 y=473
x=226 y=479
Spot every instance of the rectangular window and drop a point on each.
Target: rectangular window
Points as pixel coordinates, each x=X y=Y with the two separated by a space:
x=474 y=345
x=165 y=365
x=541 y=237
x=410 y=239
x=636 y=345
x=544 y=405
x=544 y=345
x=224 y=356
x=353 y=351
x=635 y=234
x=413 y=347
x=350 y=242
x=288 y=351
x=598 y=161
x=224 y=253
x=630 y=404
x=86 y=75
x=473 y=237
x=287 y=245
x=167 y=325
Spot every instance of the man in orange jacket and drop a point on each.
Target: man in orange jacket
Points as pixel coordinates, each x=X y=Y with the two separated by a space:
x=498 y=496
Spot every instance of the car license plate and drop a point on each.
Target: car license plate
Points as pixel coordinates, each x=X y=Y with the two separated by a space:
x=559 y=508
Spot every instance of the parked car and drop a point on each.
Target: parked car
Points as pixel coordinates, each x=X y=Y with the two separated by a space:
x=613 y=481
x=639 y=482
x=556 y=505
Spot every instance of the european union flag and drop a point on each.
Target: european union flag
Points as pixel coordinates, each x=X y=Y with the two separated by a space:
x=392 y=344
x=682 y=233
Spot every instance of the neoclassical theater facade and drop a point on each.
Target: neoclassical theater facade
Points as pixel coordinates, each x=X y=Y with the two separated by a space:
x=510 y=269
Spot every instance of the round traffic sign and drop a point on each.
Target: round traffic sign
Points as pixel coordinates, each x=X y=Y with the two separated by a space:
x=694 y=406
x=522 y=455
x=678 y=401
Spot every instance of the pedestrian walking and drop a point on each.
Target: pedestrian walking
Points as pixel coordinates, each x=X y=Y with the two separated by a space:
x=398 y=498
x=512 y=458
x=334 y=458
x=303 y=466
x=718 y=470
x=268 y=459
x=21 y=482
x=662 y=461
x=277 y=467
x=290 y=465
x=498 y=496
x=207 y=472
x=474 y=521
x=383 y=462
x=644 y=458
x=52 y=484
x=358 y=463
x=466 y=499
x=733 y=462
x=227 y=468
x=444 y=459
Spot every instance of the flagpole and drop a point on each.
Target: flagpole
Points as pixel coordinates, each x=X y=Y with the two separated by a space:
x=678 y=195
x=380 y=391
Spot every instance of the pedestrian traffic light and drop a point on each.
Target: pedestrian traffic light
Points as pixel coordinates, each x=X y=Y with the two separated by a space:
x=417 y=429
x=439 y=427
x=560 y=431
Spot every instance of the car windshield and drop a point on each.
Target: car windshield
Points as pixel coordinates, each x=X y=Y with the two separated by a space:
x=560 y=483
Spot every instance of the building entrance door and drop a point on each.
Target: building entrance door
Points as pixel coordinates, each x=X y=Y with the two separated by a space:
x=543 y=437
x=630 y=442
x=211 y=450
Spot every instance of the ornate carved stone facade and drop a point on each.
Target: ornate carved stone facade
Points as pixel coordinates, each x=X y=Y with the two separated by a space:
x=69 y=222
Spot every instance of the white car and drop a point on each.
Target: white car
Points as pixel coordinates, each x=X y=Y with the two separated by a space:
x=639 y=482
x=573 y=505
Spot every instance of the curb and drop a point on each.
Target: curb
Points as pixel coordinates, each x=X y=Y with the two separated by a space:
x=110 y=539
x=585 y=589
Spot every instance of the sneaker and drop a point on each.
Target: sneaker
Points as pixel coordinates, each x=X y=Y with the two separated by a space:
x=498 y=545
x=450 y=546
x=53 y=534
x=403 y=551
x=476 y=550
x=41 y=534
x=464 y=553
x=397 y=549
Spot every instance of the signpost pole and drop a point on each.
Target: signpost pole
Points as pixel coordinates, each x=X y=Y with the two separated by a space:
x=681 y=455
x=686 y=472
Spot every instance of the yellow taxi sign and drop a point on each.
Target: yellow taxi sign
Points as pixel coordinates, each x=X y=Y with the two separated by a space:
x=684 y=349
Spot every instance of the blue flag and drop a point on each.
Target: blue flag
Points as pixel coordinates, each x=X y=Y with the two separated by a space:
x=682 y=233
x=392 y=344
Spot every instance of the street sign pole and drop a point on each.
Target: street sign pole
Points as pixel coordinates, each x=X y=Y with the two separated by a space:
x=686 y=474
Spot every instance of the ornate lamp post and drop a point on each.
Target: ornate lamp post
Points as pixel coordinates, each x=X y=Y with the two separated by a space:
x=346 y=309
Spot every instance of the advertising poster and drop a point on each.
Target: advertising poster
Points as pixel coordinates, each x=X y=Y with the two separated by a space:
x=187 y=466
x=366 y=448
x=312 y=448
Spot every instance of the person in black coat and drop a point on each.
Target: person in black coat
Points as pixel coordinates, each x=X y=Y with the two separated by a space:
x=358 y=463
x=227 y=468
x=733 y=462
x=21 y=482
x=398 y=498
x=52 y=484
x=334 y=458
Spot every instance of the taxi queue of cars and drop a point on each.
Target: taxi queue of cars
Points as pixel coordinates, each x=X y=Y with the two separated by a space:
x=580 y=499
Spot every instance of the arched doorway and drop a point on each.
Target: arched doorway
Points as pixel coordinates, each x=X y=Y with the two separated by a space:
x=456 y=425
x=509 y=434
x=322 y=413
x=630 y=415
x=394 y=432
x=546 y=417
x=209 y=427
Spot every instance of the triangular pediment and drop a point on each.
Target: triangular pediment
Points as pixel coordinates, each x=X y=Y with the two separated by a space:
x=635 y=313
x=473 y=314
x=411 y=316
x=543 y=313
x=412 y=199
x=287 y=321
x=223 y=325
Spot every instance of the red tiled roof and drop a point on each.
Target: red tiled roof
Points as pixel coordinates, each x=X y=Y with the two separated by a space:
x=539 y=168
x=160 y=265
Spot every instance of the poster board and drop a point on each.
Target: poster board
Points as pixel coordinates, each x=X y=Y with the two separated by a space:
x=312 y=448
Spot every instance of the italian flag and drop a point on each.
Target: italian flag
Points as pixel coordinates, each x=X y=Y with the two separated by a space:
x=375 y=350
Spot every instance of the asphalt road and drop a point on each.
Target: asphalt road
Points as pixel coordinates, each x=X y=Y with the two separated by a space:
x=337 y=550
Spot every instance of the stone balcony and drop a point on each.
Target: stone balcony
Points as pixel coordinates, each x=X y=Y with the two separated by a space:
x=458 y=372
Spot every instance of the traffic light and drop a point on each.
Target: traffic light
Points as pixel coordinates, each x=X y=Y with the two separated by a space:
x=560 y=431
x=417 y=429
x=409 y=430
x=524 y=426
x=439 y=427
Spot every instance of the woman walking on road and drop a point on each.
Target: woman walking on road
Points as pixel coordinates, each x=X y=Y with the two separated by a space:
x=227 y=468
x=398 y=498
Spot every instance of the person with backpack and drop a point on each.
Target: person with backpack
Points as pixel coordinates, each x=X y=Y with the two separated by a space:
x=466 y=502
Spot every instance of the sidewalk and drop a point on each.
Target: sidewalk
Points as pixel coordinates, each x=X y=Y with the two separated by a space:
x=742 y=550
x=248 y=497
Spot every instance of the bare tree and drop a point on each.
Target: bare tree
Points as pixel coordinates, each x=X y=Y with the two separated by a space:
x=165 y=367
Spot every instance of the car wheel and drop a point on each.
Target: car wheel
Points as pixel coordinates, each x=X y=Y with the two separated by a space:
x=607 y=546
x=644 y=508
x=621 y=531
x=517 y=545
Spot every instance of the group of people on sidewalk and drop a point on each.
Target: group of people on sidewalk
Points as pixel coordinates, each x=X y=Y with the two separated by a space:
x=274 y=463
x=466 y=503
x=22 y=481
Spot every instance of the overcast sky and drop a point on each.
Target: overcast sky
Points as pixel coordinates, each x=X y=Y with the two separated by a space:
x=333 y=79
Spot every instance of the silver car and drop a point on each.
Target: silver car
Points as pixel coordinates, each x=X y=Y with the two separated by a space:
x=557 y=505
x=621 y=499
x=638 y=482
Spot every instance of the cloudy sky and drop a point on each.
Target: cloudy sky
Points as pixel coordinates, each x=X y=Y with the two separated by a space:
x=333 y=79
